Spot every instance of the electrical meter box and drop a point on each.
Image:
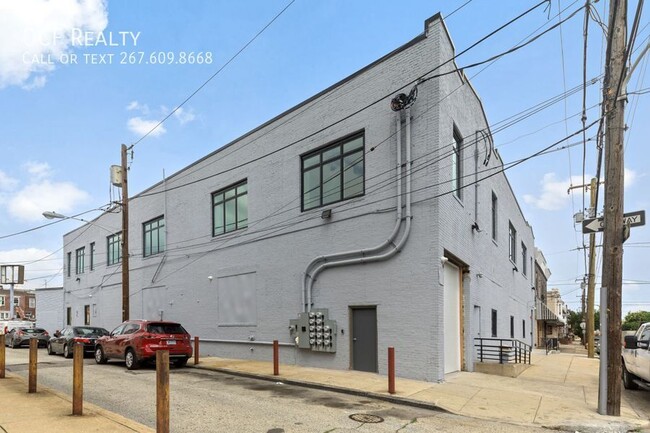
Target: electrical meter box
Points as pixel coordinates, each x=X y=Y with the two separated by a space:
x=314 y=331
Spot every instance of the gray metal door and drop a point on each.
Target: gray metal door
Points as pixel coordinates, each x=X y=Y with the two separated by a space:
x=364 y=339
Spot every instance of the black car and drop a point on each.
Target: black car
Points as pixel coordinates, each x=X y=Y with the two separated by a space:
x=63 y=341
x=20 y=337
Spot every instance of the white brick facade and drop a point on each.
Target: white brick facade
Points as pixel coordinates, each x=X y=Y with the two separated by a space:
x=281 y=240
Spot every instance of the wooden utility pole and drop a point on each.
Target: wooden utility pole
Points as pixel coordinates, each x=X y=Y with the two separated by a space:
x=125 y=236
x=588 y=314
x=591 y=277
x=613 y=216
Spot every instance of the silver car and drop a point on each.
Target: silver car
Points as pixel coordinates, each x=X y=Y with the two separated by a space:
x=21 y=336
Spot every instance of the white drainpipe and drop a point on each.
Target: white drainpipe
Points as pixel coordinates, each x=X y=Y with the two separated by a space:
x=368 y=255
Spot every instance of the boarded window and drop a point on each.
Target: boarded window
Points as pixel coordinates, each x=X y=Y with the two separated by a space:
x=237 y=300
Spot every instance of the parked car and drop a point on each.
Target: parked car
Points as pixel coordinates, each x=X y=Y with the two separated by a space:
x=63 y=341
x=20 y=337
x=8 y=325
x=137 y=341
x=636 y=358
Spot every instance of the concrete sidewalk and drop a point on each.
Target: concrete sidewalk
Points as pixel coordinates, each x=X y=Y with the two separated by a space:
x=559 y=390
x=47 y=411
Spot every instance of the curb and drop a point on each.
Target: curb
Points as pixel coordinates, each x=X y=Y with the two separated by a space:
x=614 y=426
x=324 y=387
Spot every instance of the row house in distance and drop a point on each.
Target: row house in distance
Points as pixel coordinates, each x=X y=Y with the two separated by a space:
x=24 y=304
x=337 y=229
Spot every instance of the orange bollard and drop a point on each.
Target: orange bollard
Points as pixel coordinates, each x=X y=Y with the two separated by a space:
x=276 y=356
x=2 y=356
x=78 y=379
x=391 y=370
x=162 y=391
x=196 y=350
x=33 y=360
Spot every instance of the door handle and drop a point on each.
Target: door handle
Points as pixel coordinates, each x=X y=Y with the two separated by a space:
x=354 y=339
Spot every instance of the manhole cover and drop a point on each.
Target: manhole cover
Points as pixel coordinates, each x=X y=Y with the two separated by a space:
x=366 y=418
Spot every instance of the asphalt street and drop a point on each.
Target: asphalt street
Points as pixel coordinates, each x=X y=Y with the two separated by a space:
x=206 y=401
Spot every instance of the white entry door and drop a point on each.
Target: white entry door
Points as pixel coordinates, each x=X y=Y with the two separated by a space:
x=452 y=318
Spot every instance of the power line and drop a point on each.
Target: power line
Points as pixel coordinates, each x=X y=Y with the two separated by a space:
x=371 y=104
x=215 y=74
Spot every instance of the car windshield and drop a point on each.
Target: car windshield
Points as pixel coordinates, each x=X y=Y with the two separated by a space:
x=33 y=330
x=165 y=328
x=90 y=331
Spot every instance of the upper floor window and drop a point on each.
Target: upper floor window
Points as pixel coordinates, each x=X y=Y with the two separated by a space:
x=230 y=209
x=2 y=301
x=524 y=259
x=80 y=258
x=153 y=236
x=494 y=216
x=457 y=164
x=512 y=234
x=333 y=173
x=69 y=264
x=92 y=256
x=114 y=249
x=32 y=302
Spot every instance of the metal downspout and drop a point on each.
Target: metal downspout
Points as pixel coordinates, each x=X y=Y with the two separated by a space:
x=310 y=274
x=397 y=247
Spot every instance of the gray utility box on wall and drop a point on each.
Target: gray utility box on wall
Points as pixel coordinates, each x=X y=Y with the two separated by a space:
x=314 y=331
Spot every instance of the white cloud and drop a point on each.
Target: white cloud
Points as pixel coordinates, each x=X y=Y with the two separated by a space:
x=39 y=31
x=6 y=182
x=631 y=177
x=37 y=169
x=40 y=265
x=141 y=126
x=184 y=116
x=135 y=105
x=30 y=202
x=554 y=194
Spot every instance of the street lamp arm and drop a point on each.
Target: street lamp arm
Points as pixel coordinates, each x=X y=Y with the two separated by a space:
x=55 y=215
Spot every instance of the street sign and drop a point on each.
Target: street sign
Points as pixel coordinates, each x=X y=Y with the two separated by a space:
x=632 y=219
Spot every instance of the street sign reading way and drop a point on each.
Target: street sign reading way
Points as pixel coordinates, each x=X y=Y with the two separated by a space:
x=633 y=219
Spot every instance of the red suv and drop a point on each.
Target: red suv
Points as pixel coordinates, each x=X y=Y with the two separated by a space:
x=136 y=341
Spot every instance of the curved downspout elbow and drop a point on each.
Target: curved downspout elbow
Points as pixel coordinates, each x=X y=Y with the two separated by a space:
x=330 y=260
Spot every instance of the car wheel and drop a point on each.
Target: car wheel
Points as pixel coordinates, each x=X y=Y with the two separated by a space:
x=182 y=362
x=49 y=349
x=14 y=345
x=131 y=360
x=66 y=351
x=100 y=358
x=628 y=379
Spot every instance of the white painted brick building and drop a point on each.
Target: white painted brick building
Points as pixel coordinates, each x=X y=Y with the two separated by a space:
x=464 y=270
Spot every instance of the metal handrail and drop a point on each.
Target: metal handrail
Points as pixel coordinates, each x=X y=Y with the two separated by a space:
x=551 y=344
x=503 y=350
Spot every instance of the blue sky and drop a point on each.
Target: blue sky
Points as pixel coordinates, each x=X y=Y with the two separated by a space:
x=62 y=124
